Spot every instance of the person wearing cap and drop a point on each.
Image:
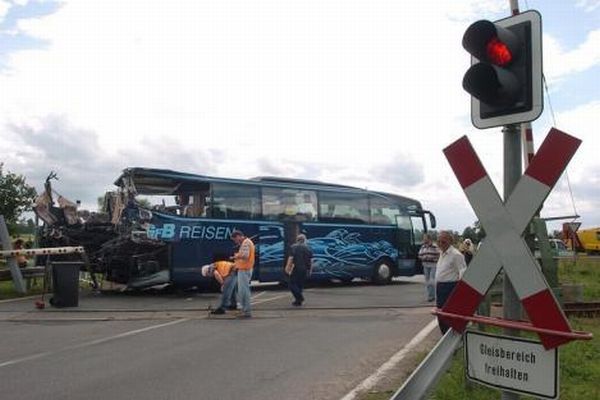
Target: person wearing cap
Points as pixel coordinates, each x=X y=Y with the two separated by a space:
x=243 y=261
x=301 y=260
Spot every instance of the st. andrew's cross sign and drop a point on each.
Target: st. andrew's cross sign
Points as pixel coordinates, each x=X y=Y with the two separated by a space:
x=504 y=224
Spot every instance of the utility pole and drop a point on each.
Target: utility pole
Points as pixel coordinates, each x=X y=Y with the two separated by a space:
x=512 y=173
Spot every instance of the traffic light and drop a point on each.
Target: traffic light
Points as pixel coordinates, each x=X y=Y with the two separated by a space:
x=505 y=77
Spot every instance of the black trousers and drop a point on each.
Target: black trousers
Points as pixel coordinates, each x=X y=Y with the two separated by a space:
x=442 y=292
x=297 y=280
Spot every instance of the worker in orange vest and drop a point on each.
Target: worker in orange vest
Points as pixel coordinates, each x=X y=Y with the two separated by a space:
x=243 y=261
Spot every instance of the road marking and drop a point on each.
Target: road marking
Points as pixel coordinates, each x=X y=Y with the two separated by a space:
x=258 y=295
x=91 y=343
x=19 y=299
x=281 y=296
x=114 y=337
x=372 y=380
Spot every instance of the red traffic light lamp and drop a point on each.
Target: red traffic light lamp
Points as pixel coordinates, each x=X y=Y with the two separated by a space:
x=505 y=78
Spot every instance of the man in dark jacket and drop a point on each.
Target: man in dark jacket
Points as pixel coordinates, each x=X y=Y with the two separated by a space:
x=301 y=260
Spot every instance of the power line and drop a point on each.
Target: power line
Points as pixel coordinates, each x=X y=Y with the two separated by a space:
x=545 y=82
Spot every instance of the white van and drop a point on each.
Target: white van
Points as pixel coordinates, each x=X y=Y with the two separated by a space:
x=559 y=249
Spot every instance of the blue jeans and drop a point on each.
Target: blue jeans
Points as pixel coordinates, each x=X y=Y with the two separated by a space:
x=429 y=274
x=243 y=286
x=228 y=288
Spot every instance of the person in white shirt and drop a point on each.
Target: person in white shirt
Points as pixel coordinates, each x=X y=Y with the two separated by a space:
x=449 y=270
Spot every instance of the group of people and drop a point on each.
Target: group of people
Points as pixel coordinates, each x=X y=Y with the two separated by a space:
x=234 y=275
x=443 y=266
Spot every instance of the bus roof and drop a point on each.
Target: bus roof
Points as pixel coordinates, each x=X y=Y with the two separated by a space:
x=160 y=181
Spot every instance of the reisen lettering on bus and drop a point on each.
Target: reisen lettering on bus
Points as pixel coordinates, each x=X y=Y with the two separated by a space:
x=198 y=232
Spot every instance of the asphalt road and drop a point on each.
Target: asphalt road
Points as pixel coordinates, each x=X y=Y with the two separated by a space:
x=119 y=346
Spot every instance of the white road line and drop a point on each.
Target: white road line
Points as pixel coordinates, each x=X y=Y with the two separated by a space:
x=91 y=343
x=391 y=363
x=118 y=336
x=258 y=295
x=19 y=299
x=270 y=299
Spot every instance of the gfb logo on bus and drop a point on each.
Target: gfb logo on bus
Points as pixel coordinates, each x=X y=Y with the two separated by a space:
x=177 y=232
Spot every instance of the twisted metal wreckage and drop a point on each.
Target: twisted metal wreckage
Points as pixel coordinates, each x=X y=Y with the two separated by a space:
x=115 y=240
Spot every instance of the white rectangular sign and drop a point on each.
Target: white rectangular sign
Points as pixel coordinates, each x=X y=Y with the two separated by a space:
x=514 y=364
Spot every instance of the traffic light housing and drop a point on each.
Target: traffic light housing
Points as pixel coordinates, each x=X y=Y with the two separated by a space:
x=505 y=77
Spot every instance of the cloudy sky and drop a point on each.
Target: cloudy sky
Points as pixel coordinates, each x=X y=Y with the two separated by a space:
x=364 y=93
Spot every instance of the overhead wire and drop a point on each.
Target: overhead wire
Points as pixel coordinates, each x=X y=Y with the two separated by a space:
x=545 y=83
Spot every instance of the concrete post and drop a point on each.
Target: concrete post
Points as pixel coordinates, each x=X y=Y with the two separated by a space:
x=15 y=272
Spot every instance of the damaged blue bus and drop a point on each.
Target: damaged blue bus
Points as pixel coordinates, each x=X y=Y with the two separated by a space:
x=168 y=224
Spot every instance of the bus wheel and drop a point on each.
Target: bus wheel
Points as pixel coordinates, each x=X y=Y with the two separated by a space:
x=382 y=273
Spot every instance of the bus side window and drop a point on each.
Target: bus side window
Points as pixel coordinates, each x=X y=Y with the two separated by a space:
x=349 y=208
x=307 y=205
x=236 y=201
x=383 y=211
x=272 y=203
x=289 y=204
x=380 y=219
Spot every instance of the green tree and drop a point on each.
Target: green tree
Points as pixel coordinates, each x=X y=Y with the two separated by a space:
x=469 y=233
x=145 y=203
x=474 y=232
x=100 y=202
x=16 y=197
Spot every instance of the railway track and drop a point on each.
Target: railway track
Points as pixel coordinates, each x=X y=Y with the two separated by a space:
x=588 y=309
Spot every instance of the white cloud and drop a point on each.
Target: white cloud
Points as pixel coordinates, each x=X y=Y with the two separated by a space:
x=315 y=89
x=578 y=190
x=51 y=143
x=560 y=62
x=4 y=7
x=588 y=5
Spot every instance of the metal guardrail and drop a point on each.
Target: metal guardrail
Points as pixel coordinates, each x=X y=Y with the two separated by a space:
x=424 y=378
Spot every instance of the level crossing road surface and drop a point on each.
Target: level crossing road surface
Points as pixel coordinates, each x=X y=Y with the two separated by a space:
x=165 y=346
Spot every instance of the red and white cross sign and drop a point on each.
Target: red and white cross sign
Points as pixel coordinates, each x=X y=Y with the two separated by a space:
x=504 y=225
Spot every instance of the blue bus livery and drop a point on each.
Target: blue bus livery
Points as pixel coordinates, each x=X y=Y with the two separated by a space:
x=168 y=224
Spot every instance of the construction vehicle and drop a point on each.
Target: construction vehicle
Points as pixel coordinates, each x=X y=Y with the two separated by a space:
x=582 y=240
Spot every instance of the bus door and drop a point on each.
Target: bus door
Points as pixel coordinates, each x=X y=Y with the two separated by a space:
x=405 y=243
x=418 y=229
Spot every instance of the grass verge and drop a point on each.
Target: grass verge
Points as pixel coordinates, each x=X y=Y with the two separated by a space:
x=584 y=271
x=579 y=368
x=579 y=371
x=7 y=290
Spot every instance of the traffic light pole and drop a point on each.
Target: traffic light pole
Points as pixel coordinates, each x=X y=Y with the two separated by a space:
x=512 y=173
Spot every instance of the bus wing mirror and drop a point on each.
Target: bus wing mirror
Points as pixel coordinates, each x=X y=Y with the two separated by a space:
x=432 y=221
